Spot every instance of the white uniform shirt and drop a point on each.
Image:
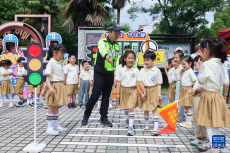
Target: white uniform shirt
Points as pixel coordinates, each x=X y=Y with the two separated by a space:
x=4 y=71
x=213 y=75
x=174 y=75
x=128 y=77
x=20 y=71
x=197 y=85
x=55 y=70
x=72 y=73
x=151 y=77
x=170 y=73
x=188 y=77
x=85 y=75
x=92 y=75
x=179 y=68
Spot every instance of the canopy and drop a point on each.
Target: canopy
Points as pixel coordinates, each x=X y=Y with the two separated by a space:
x=225 y=34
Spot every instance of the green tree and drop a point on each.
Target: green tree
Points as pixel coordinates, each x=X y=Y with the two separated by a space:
x=126 y=26
x=221 y=21
x=118 y=5
x=87 y=12
x=8 y=9
x=178 y=16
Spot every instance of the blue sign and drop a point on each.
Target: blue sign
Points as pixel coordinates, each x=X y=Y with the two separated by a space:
x=218 y=141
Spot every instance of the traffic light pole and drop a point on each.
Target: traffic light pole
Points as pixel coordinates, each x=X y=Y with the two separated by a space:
x=35 y=147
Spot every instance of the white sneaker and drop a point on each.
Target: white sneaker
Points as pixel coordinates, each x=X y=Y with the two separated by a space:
x=11 y=105
x=1 y=105
x=52 y=131
x=197 y=142
x=204 y=147
x=155 y=132
x=61 y=129
x=146 y=129
x=130 y=131
x=110 y=105
x=192 y=138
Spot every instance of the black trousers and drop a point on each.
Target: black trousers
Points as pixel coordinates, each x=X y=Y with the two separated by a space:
x=102 y=83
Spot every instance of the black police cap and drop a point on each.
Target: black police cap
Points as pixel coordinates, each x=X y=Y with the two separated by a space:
x=115 y=26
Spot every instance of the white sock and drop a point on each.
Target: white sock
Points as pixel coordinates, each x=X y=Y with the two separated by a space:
x=189 y=118
x=55 y=120
x=126 y=114
x=131 y=119
x=38 y=100
x=99 y=102
x=2 y=96
x=30 y=99
x=49 y=118
x=156 y=121
x=10 y=97
x=110 y=100
x=146 y=120
x=43 y=99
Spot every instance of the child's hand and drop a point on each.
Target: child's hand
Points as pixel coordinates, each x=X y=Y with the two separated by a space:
x=193 y=92
x=182 y=71
x=159 y=96
x=143 y=96
x=52 y=91
x=115 y=85
x=118 y=97
x=91 y=82
x=64 y=82
x=15 y=74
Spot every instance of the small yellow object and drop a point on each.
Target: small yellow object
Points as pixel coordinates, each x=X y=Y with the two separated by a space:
x=94 y=55
x=160 y=57
x=35 y=64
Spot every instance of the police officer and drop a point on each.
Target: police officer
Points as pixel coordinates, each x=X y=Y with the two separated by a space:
x=104 y=66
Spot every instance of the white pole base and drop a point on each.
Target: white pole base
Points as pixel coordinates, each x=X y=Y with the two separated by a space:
x=34 y=148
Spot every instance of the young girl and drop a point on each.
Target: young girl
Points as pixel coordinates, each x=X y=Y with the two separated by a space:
x=188 y=78
x=212 y=111
x=200 y=131
x=56 y=95
x=172 y=86
x=6 y=84
x=169 y=73
x=178 y=55
x=127 y=93
x=152 y=79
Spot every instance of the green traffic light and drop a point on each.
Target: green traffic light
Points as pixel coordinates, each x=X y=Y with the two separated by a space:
x=35 y=78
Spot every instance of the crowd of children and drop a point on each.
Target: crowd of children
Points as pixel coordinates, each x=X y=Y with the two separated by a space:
x=199 y=96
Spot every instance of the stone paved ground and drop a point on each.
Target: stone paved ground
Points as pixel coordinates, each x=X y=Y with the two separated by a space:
x=16 y=131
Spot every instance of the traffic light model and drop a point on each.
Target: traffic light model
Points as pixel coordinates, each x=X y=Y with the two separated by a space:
x=34 y=64
x=92 y=53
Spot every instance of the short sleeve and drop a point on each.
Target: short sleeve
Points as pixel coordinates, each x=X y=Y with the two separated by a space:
x=193 y=76
x=139 y=78
x=118 y=75
x=81 y=75
x=48 y=68
x=91 y=75
x=159 y=77
x=226 y=77
x=203 y=73
x=2 y=72
x=66 y=70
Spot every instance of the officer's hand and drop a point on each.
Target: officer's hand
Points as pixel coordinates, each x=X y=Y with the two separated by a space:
x=108 y=59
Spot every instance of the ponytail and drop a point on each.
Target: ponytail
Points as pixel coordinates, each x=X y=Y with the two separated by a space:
x=216 y=47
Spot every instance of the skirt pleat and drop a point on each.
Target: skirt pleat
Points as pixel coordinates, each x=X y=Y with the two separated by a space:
x=7 y=87
x=213 y=110
x=185 y=93
x=129 y=98
x=171 y=90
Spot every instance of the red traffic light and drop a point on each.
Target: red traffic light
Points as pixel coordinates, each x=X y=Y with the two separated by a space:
x=34 y=51
x=95 y=49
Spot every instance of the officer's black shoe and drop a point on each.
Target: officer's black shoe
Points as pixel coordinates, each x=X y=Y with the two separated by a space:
x=85 y=120
x=105 y=122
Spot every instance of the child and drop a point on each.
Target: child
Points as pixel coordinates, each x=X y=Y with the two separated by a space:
x=169 y=73
x=188 y=78
x=56 y=95
x=212 y=111
x=71 y=79
x=20 y=83
x=41 y=89
x=127 y=93
x=6 y=84
x=172 y=87
x=84 y=84
x=178 y=55
x=30 y=96
x=200 y=131
x=152 y=79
